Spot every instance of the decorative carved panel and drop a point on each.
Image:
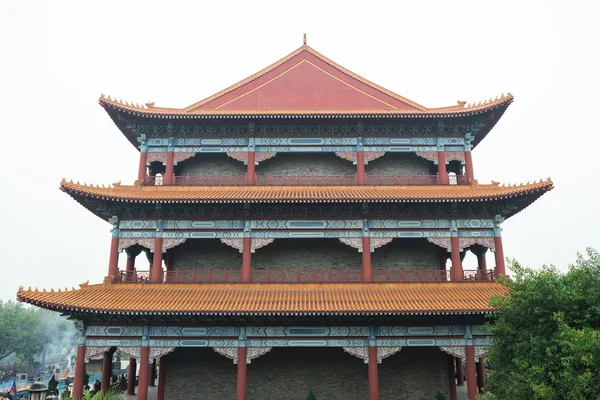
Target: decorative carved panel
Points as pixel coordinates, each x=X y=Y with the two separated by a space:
x=460 y=351
x=155 y=352
x=93 y=352
x=256 y=243
x=252 y=353
x=357 y=243
x=178 y=157
x=149 y=243
x=464 y=242
x=351 y=155
x=259 y=156
x=363 y=353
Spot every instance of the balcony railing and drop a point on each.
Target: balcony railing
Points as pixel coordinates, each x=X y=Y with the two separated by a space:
x=300 y=275
x=306 y=180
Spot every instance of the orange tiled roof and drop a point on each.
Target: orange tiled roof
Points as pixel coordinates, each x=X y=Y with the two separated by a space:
x=289 y=194
x=270 y=95
x=254 y=299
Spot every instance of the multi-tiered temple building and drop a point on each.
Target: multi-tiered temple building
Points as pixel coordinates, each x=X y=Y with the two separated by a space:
x=305 y=219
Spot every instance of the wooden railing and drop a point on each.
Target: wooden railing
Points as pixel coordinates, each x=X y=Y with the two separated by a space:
x=302 y=275
x=306 y=180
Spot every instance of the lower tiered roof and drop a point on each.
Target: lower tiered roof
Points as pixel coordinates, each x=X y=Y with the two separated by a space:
x=431 y=298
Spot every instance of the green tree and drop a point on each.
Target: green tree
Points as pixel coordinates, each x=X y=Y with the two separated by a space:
x=311 y=395
x=16 y=326
x=31 y=331
x=547 y=333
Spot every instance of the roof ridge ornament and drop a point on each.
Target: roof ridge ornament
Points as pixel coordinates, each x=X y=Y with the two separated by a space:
x=304 y=40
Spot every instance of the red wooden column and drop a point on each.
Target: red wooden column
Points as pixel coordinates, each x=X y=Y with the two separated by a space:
x=442 y=172
x=143 y=160
x=481 y=262
x=373 y=375
x=130 y=262
x=469 y=165
x=247 y=259
x=460 y=373
x=79 y=373
x=451 y=377
x=498 y=251
x=242 y=372
x=144 y=371
x=360 y=168
x=131 y=373
x=251 y=172
x=106 y=371
x=169 y=177
x=113 y=260
x=156 y=272
x=471 y=376
x=367 y=269
x=162 y=368
x=457 y=272
x=480 y=374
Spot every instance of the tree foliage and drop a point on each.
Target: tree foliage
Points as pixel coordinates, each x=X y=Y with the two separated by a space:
x=27 y=331
x=311 y=395
x=547 y=333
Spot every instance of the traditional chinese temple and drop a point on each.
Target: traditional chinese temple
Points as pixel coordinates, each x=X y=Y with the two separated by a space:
x=305 y=228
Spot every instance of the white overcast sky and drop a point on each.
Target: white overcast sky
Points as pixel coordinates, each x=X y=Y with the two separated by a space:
x=57 y=57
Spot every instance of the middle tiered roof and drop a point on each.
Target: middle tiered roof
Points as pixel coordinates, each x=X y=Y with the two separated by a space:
x=87 y=195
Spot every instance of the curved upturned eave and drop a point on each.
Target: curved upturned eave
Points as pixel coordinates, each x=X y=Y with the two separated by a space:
x=431 y=298
x=92 y=196
x=123 y=115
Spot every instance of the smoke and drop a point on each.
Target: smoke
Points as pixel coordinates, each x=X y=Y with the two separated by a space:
x=60 y=337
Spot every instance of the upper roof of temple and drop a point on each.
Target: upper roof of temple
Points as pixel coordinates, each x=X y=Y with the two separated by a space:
x=305 y=83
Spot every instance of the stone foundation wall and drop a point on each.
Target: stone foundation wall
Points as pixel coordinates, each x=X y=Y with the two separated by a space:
x=409 y=254
x=401 y=163
x=415 y=373
x=206 y=253
x=306 y=254
x=306 y=164
x=210 y=164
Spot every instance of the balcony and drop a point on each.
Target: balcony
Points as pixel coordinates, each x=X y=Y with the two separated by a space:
x=306 y=180
x=303 y=275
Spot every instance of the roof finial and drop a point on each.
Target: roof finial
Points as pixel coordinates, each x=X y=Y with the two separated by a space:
x=305 y=39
